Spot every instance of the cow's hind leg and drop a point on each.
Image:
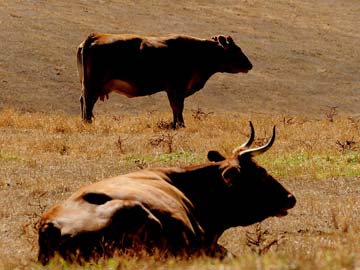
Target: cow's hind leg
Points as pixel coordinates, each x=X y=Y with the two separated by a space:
x=87 y=103
x=128 y=225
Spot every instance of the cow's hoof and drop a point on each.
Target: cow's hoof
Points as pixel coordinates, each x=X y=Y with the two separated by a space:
x=87 y=121
x=178 y=125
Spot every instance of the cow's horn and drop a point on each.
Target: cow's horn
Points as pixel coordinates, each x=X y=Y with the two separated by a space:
x=262 y=149
x=249 y=141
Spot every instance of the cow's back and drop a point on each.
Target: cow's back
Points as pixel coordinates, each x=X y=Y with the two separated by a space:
x=143 y=204
x=152 y=188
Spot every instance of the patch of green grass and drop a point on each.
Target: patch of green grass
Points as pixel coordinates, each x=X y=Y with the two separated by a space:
x=9 y=157
x=316 y=166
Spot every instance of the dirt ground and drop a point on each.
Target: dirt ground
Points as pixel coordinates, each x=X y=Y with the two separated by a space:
x=306 y=54
x=306 y=59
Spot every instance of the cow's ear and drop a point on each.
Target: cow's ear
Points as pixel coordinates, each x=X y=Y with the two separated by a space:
x=143 y=46
x=215 y=156
x=221 y=40
x=229 y=174
x=230 y=41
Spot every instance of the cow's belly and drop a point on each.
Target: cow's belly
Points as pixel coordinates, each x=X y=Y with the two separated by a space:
x=122 y=87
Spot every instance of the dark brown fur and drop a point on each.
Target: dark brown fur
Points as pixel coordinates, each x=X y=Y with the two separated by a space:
x=143 y=65
x=177 y=210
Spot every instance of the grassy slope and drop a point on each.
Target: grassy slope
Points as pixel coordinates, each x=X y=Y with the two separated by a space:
x=306 y=59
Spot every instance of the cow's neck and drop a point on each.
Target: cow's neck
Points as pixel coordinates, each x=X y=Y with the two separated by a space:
x=198 y=80
x=204 y=187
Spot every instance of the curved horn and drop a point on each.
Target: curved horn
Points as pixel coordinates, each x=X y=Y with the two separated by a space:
x=249 y=141
x=262 y=149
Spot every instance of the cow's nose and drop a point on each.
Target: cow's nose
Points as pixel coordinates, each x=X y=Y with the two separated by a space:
x=291 y=200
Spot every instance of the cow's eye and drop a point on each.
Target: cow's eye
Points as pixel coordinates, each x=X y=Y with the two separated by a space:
x=96 y=198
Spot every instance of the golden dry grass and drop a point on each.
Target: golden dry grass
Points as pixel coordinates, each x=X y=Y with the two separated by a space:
x=306 y=61
x=46 y=157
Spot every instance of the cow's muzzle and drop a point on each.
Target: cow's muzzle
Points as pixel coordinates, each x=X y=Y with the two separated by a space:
x=290 y=203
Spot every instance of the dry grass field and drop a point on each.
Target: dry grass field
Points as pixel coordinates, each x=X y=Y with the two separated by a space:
x=46 y=157
x=305 y=81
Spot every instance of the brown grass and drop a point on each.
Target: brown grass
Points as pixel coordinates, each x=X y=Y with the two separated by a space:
x=46 y=157
x=305 y=80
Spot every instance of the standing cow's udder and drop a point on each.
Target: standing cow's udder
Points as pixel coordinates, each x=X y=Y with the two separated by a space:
x=122 y=87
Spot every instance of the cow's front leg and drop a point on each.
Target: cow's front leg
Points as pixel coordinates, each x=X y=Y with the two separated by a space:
x=82 y=107
x=176 y=99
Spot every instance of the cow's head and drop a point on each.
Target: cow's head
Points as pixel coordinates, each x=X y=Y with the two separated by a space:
x=232 y=59
x=252 y=194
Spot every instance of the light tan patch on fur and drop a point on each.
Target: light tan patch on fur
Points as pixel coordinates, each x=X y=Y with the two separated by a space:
x=121 y=87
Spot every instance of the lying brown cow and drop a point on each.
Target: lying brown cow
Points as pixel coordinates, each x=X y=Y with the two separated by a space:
x=178 y=210
x=138 y=66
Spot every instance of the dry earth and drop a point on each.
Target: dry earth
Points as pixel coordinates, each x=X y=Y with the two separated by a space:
x=305 y=53
x=306 y=60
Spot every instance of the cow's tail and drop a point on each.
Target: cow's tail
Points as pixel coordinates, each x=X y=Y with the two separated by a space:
x=83 y=61
x=81 y=76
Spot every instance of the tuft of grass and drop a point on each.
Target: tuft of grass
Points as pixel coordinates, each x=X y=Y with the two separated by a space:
x=9 y=157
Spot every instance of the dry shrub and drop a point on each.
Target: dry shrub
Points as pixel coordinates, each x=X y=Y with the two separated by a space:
x=200 y=115
x=164 y=125
x=346 y=145
x=165 y=140
x=331 y=113
x=260 y=241
x=120 y=144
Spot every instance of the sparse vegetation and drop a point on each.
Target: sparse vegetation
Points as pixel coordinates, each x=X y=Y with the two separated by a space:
x=46 y=157
x=331 y=113
x=305 y=80
x=164 y=139
x=199 y=114
x=259 y=240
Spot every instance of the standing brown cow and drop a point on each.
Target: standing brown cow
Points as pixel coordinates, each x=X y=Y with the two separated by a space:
x=135 y=66
x=179 y=210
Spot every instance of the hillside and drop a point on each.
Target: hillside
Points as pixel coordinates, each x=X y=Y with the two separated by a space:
x=306 y=81
x=305 y=53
